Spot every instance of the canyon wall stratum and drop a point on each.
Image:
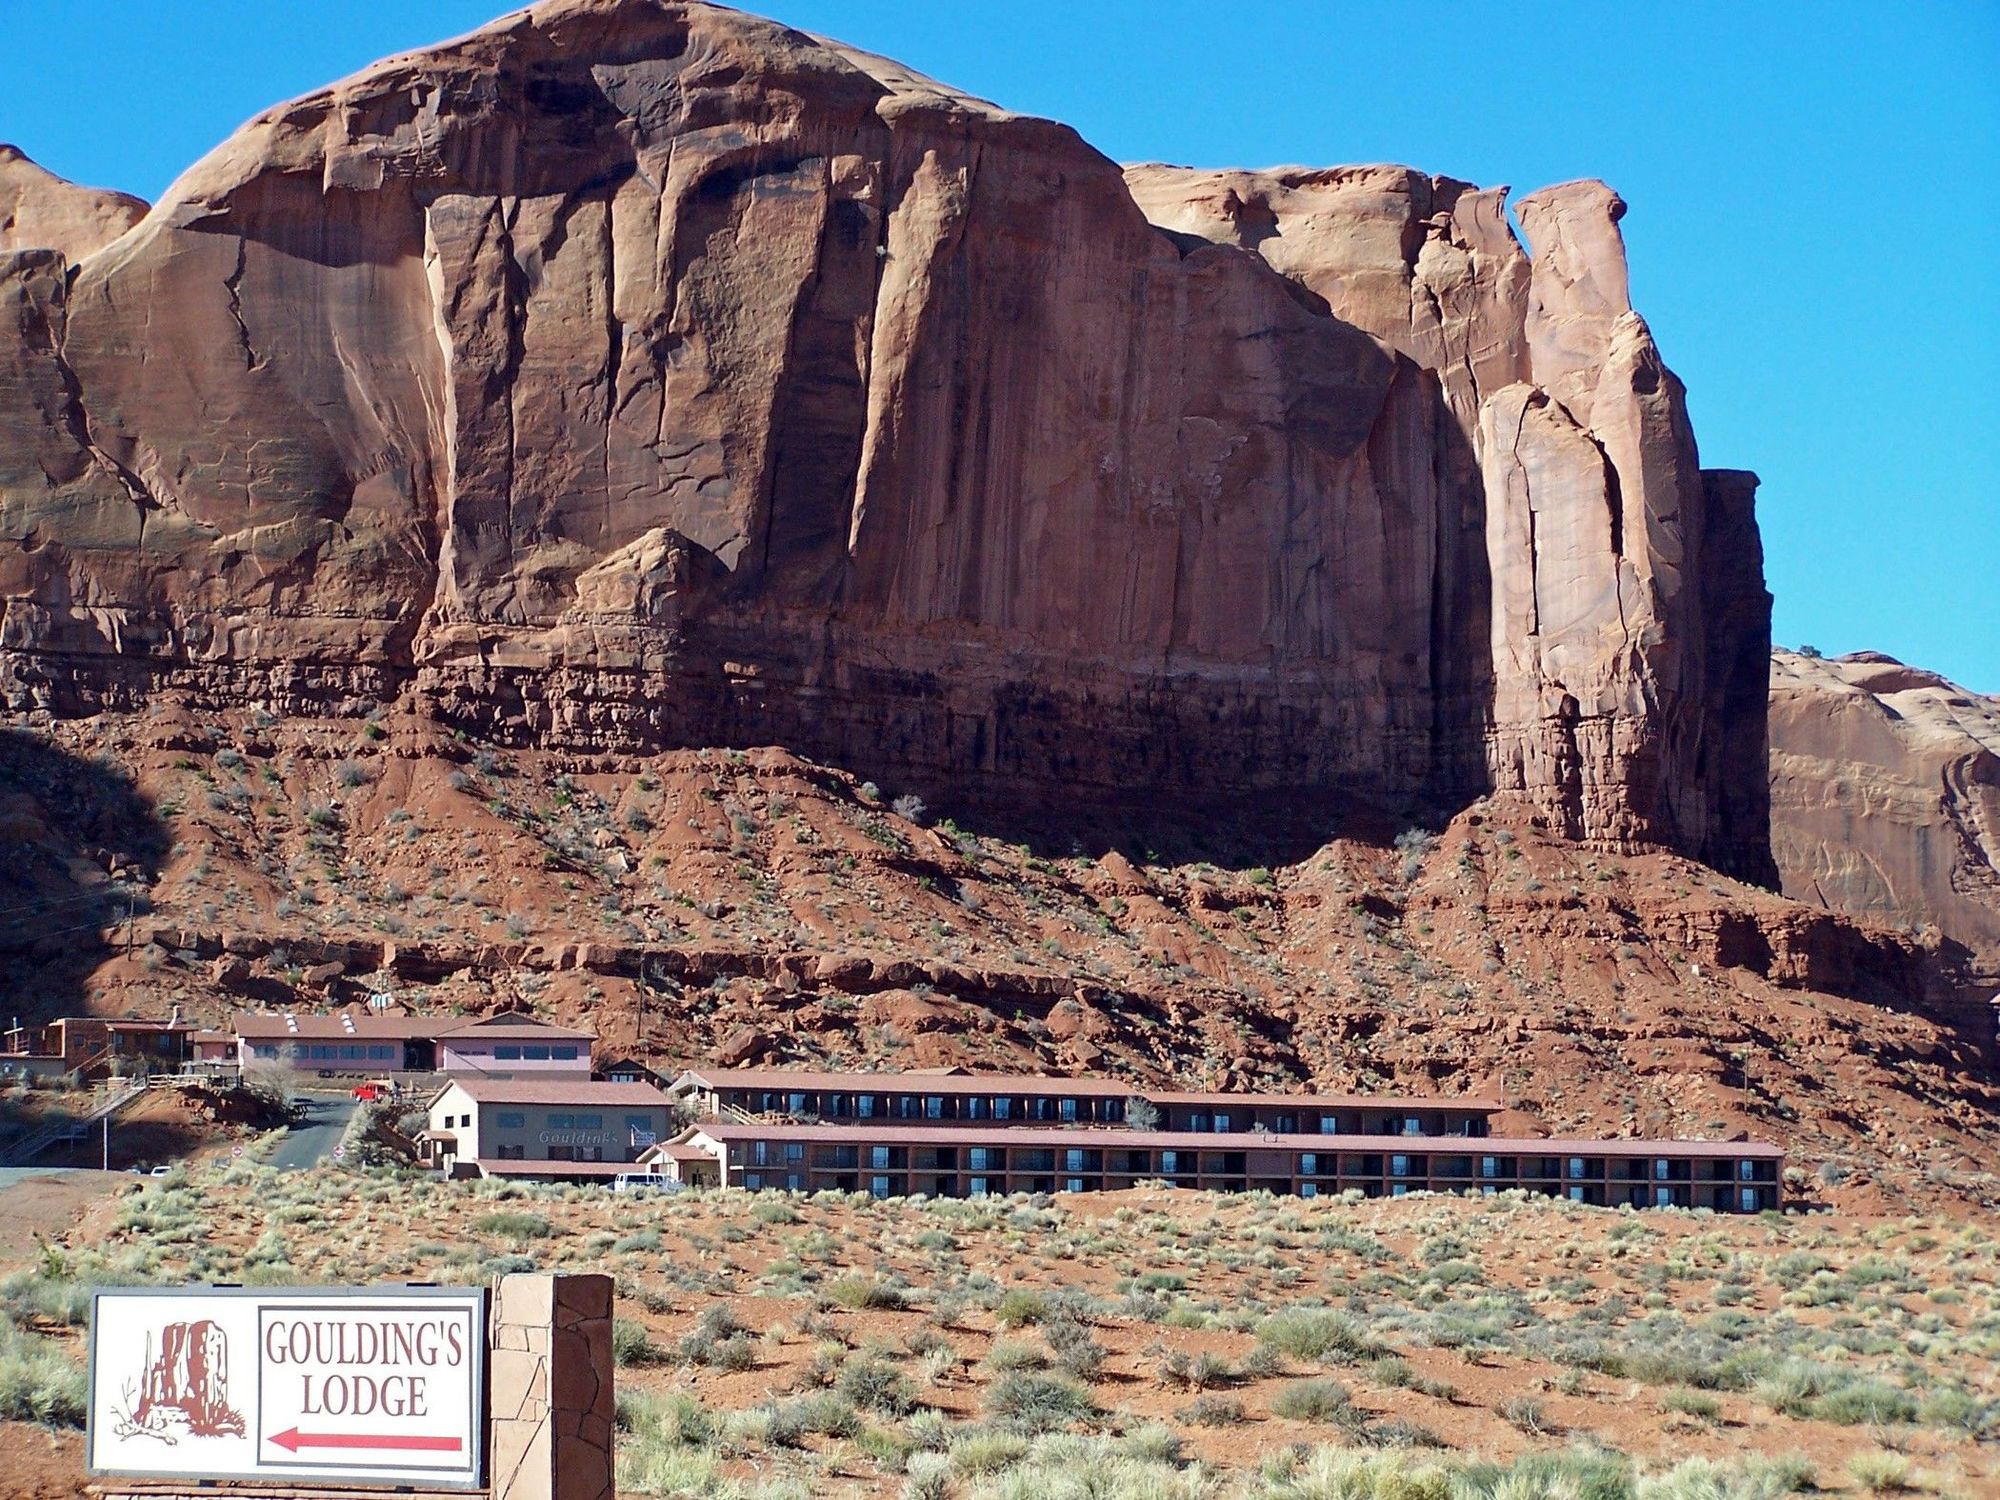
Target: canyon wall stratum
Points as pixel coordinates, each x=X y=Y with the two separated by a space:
x=628 y=375
x=1885 y=788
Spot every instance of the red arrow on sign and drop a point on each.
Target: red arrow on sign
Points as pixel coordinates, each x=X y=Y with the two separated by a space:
x=291 y=1440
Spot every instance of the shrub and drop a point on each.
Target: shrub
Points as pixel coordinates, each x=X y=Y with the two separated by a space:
x=1525 y=1412
x=513 y=1225
x=37 y=1383
x=1313 y=1401
x=1030 y=1401
x=859 y=1293
x=791 y=1422
x=1214 y=1411
x=1881 y=1472
x=1316 y=1333
x=1692 y=1404
x=874 y=1385
x=631 y=1344
x=1019 y=1308
x=1871 y=1401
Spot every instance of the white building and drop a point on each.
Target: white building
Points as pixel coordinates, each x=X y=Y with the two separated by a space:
x=489 y=1127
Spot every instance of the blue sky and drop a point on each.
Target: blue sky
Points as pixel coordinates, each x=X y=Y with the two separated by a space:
x=1811 y=232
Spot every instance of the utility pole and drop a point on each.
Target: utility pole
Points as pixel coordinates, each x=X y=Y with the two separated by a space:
x=106 y=1123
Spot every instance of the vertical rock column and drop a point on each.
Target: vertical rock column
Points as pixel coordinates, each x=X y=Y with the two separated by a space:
x=553 y=1407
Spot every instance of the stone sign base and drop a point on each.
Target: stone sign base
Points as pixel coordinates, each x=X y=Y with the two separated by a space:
x=551 y=1408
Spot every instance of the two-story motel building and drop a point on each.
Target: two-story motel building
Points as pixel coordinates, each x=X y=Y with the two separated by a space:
x=889 y=1160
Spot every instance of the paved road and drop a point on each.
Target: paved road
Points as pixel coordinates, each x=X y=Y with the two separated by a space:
x=309 y=1142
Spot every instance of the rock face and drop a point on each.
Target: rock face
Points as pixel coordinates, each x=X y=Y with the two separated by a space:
x=40 y=211
x=630 y=374
x=1885 y=795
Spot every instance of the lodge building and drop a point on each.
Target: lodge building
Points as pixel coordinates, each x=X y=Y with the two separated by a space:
x=1004 y=1100
x=889 y=1160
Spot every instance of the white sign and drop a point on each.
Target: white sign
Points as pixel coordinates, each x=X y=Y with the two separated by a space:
x=352 y=1383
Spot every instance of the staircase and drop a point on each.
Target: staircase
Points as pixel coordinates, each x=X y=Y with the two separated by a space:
x=34 y=1144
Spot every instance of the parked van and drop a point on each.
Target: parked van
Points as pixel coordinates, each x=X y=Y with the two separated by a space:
x=641 y=1182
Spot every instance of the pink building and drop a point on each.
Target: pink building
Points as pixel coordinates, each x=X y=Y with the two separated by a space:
x=357 y=1041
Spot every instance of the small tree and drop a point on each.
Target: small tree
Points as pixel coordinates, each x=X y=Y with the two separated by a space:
x=1142 y=1113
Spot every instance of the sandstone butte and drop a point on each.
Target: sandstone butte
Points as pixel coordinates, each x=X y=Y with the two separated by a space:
x=627 y=375
x=1885 y=788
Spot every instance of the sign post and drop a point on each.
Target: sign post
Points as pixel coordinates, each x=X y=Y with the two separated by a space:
x=355 y=1385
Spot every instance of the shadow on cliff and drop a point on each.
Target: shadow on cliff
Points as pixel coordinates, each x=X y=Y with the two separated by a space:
x=78 y=847
x=1236 y=831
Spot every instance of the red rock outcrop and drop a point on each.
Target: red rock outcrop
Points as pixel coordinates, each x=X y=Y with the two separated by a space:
x=40 y=211
x=630 y=374
x=1885 y=796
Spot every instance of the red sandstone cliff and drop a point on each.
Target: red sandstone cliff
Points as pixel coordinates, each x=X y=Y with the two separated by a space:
x=1885 y=796
x=630 y=374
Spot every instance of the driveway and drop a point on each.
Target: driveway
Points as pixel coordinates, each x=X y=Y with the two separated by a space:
x=308 y=1142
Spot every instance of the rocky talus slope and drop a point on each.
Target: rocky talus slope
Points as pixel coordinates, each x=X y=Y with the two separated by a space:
x=1885 y=797
x=753 y=905
x=630 y=375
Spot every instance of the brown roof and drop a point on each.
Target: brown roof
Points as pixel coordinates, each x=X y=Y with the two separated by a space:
x=532 y=1031
x=1032 y=1084
x=555 y=1091
x=1089 y=1138
x=514 y=1167
x=361 y=1027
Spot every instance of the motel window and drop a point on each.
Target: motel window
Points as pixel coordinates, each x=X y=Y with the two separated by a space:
x=1747 y=1197
x=795 y=1151
x=638 y=1122
x=381 y=1054
x=754 y=1181
x=1663 y=1197
x=878 y=1187
x=1746 y=1171
x=562 y=1122
x=1113 y=1111
x=760 y=1152
x=1329 y=1124
x=1003 y=1109
x=933 y=1107
x=1660 y=1167
x=1399 y=1166
x=535 y=1052
x=264 y=1049
x=975 y=1108
x=1308 y=1190
x=1072 y=1184
x=1170 y=1161
x=1198 y=1121
x=1069 y=1110
x=864 y=1106
x=1489 y=1166
x=906 y=1106
x=1308 y=1163
x=1576 y=1167
x=516 y=1152
x=563 y=1054
x=977 y=1187
x=981 y=1158
x=511 y=1119
x=878 y=1156
x=795 y=1103
x=507 y=1052
x=590 y=1122
x=1073 y=1160
x=1576 y=1195
x=1221 y=1124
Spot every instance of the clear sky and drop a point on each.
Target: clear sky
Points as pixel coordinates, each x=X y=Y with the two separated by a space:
x=1811 y=227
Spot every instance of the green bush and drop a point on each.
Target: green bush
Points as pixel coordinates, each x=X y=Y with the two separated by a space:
x=38 y=1383
x=1030 y=1401
x=632 y=1345
x=861 y=1293
x=1019 y=1308
x=1313 y=1401
x=1316 y=1333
